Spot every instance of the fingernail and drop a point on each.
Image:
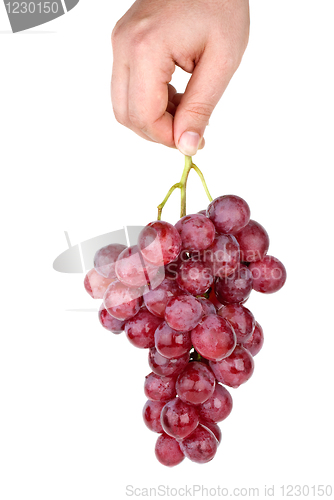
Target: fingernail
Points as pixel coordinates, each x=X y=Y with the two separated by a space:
x=188 y=143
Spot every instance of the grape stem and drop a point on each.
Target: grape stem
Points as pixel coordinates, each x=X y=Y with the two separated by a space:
x=182 y=185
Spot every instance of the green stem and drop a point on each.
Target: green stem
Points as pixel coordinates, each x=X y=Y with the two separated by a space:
x=163 y=203
x=201 y=176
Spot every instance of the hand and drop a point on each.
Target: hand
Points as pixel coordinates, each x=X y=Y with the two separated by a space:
x=204 y=37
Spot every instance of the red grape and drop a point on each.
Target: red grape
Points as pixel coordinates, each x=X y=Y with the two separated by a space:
x=178 y=419
x=171 y=343
x=95 y=284
x=223 y=255
x=214 y=428
x=159 y=242
x=207 y=306
x=109 y=322
x=194 y=277
x=156 y=300
x=253 y=240
x=241 y=319
x=159 y=388
x=229 y=213
x=183 y=313
x=168 y=451
x=200 y=446
x=255 y=342
x=195 y=384
x=105 y=258
x=213 y=338
x=141 y=328
x=197 y=232
x=236 y=288
x=152 y=413
x=131 y=269
x=234 y=370
x=217 y=407
x=164 y=366
x=269 y=274
x=121 y=301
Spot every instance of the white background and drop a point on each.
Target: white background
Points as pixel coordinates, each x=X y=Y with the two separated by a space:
x=71 y=393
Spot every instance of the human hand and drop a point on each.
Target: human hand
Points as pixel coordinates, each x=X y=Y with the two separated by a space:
x=204 y=37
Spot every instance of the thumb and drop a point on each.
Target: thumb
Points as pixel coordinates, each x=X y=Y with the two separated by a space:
x=205 y=87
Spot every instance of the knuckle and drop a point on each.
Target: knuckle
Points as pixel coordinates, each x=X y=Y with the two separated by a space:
x=138 y=121
x=116 y=32
x=199 y=110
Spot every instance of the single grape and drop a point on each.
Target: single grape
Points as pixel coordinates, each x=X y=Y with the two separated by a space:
x=213 y=299
x=164 y=366
x=178 y=419
x=255 y=342
x=141 y=328
x=194 y=277
x=213 y=337
x=214 y=428
x=171 y=269
x=105 y=258
x=95 y=284
x=229 y=214
x=236 y=288
x=152 y=413
x=159 y=388
x=269 y=274
x=156 y=300
x=200 y=446
x=241 y=319
x=159 y=243
x=234 y=370
x=171 y=343
x=223 y=255
x=197 y=232
x=217 y=407
x=132 y=270
x=168 y=451
x=195 y=384
x=121 y=301
x=109 y=322
x=202 y=212
x=183 y=313
x=207 y=306
x=253 y=241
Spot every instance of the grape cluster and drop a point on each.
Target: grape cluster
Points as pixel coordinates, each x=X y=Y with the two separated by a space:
x=180 y=293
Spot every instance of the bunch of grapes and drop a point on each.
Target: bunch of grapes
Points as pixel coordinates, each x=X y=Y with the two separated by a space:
x=180 y=293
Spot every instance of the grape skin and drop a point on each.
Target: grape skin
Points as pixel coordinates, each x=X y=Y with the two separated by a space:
x=141 y=328
x=197 y=232
x=171 y=343
x=156 y=300
x=159 y=243
x=229 y=213
x=164 y=366
x=214 y=338
x=236 y=288
x=105 y=258
x=234 y=370
x=183 y=313
x=109 y=322
x=159 y=388
x=121 y=301
x=255 y=342
x=223 y=255
x=200 y=446
x=95 y=284
x=178 y=419
x=131 y=270
x=151 y=415
x=207 y=306
x=269 y=274
x=168 y=451
x=241 y=319
x=253 y=241
x=195 y=384
x=214 y=428
x=217 y=407
x=194 y=277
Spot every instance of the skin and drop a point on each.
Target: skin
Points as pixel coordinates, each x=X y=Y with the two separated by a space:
x=206 y=38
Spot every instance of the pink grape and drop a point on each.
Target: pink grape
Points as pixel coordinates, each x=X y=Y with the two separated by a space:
x=105 y=258
x=156 y=300
x=207 y=306
x=214 y=428
x=241 y=319
x=159 y=243
x=194 y=277
x=255 y=342
x=109 y=322
x=223 y=255
x=269 y=274
x=202 y=212
x=236 y=288
x=171 y=343
x=200 y=446
x=131 y=269
x=183 y=313
x=213 y=338
x=217 y=407
x=164 y=366
x=234 y=370
x=229 y=214
x=168 y=451
x=197 y=232
x=151 y=415
x=178 y=419
x=121 y=301
x=95 y=284
x=195 y=384
x=159 y=388
x=253 y=240
x=141 y=328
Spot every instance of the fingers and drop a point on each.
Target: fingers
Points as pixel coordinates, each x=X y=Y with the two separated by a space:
x=205 y=87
